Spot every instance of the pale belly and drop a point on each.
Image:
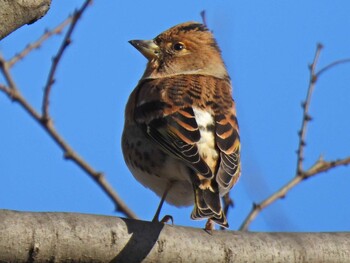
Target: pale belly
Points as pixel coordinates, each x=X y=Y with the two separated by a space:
x=156 y=170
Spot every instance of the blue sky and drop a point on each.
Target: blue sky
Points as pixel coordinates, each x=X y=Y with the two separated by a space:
x=267 y=46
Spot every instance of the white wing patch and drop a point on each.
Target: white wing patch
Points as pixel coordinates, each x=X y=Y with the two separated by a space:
x=206 y=144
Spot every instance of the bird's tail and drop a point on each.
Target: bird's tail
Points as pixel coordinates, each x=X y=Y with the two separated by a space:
x=208 y=205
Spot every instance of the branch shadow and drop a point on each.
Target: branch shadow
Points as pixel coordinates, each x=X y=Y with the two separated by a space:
x=144 y=237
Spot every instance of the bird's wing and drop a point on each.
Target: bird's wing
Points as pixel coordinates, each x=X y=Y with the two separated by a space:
x=228 y=141
x=227 y=138
x=170 y=123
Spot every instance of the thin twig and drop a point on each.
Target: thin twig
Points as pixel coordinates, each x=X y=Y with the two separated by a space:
x=66 y=41
x=331 y=65
x=3 y=88
x=204 y=17
x=320 y=165
x=12 y=91
x=35 y=45
x=227 y=204
x=306 y=117
x=4 y=67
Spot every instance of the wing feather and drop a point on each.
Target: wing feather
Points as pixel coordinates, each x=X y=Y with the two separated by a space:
x=178 y=134
x=166 y=115
x=228 y=141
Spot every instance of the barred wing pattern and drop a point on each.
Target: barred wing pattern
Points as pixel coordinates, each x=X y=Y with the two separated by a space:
x=166 y=114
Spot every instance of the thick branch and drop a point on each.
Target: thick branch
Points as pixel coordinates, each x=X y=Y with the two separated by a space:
x=65 y=237
x=16 y=13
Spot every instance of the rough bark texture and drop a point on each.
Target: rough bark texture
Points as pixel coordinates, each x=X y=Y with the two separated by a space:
x=16 y=13
x=67 y=237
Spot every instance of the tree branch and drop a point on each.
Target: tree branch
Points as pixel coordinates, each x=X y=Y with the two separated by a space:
x=306 y=117
x=68 y=237
x=66 y=41
x=39 y=42
x=319 y=166
x=13 y=92
x=332 y=65
x=204 y=17
x=227 y=204
x=16 y=13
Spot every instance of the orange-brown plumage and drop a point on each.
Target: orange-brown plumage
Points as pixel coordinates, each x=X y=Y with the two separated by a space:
x=181 y=131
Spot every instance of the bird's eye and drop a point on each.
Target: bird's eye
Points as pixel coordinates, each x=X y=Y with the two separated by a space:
x=178 y=46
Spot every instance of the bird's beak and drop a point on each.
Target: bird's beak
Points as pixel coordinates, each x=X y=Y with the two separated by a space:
x=147 y=48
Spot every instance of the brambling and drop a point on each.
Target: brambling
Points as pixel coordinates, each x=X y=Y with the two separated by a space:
x=180 y=135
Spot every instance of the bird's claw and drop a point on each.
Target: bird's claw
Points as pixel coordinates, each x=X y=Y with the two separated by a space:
x=209 y=226
x=164 y=220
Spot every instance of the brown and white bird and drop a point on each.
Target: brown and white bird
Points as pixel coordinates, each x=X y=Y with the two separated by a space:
x=181 y=136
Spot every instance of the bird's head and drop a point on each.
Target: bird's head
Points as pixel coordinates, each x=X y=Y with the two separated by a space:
x=187 y=48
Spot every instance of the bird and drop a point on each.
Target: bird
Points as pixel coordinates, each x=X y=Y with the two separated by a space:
x=181 y=135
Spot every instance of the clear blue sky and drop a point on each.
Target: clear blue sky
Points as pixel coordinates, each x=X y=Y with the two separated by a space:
x=267 y=46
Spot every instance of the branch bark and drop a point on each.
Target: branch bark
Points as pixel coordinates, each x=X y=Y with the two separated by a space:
x=16 y=13
x=67 y=237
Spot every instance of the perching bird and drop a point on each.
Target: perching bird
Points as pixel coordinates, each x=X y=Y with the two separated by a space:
x=181 y=136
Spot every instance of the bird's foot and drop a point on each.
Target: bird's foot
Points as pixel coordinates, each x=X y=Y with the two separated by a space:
x=209 y=226
x=167 y=218
x=164 y=220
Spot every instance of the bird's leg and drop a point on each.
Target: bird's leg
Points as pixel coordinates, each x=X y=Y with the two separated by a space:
x=209 y=226
x=167 y=217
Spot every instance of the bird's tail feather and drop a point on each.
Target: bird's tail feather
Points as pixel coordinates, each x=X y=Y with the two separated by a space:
x=208 y=205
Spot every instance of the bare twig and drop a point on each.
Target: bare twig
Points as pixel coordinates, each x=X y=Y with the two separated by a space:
x=305 y=105
x=3 y=88
x=332 y=65
x=320 y=165
x=323 y=166
x=204 y=17
x=35 y=45
x=57 y=58
x=12 y=91
x=227 y=204
x=4 y=67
